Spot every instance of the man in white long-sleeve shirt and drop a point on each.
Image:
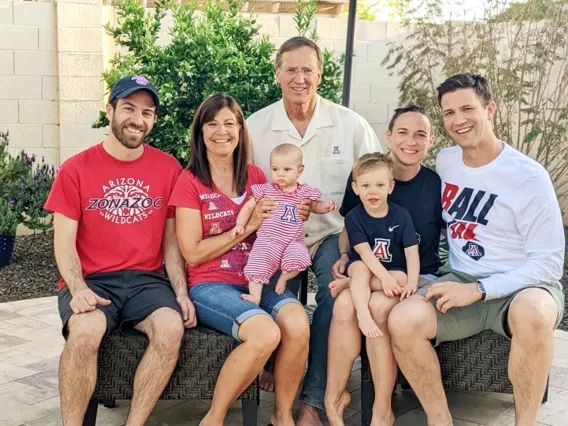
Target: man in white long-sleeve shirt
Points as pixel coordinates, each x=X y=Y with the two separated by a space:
x=506 y=242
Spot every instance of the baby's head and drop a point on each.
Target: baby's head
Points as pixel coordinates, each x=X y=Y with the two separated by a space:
x=373 y=179
x=286 y=165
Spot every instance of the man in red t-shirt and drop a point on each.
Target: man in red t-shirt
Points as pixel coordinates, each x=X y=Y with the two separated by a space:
x=113 y=233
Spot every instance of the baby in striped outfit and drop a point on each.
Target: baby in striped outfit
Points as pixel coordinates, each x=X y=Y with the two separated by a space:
x=280 y=239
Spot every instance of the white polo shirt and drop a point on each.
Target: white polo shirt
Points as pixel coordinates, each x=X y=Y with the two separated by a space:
x=335 y=138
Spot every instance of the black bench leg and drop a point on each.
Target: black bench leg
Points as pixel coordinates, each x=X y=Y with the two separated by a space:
x=109 y=402
x=91 y=414
x=249 y=408
x=367 y=400
x=545 y=397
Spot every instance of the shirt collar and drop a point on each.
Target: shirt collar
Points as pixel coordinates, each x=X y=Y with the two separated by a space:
x=321 y=118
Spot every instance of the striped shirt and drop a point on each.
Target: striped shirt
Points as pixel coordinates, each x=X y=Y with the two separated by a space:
x=285 y=223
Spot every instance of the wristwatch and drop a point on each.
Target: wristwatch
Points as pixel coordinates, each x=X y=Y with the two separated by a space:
x=481 y=289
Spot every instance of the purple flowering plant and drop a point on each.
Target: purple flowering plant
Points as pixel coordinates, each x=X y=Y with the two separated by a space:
x=25 y=183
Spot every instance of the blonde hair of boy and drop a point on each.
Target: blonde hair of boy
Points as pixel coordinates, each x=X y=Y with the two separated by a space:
x=372 y=161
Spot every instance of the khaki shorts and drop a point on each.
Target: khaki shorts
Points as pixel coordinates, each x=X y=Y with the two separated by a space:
x=459 y=323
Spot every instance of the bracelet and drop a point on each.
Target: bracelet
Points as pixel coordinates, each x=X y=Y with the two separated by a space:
x=344 y=252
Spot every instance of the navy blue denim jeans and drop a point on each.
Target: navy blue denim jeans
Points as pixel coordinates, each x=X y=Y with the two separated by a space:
x=313 y=389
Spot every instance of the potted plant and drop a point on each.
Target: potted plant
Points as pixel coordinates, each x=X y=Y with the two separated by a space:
x=24 y=187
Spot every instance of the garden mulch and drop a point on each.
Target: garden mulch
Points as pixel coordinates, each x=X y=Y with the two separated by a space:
x=33 y=272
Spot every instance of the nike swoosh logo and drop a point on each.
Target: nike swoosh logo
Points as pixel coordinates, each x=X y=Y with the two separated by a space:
x=391 y=228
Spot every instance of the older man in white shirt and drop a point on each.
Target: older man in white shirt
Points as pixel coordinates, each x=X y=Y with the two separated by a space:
x=331 y=137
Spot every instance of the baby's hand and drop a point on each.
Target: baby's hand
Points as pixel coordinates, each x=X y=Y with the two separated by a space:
x=237 y=230
x=408 y=290
x=330 y=206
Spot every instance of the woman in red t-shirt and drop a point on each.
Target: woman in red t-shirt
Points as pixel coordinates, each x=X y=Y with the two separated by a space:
x=208 y=197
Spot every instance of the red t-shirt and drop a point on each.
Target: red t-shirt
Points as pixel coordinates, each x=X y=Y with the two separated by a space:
x=121 y=207
x=218 y=215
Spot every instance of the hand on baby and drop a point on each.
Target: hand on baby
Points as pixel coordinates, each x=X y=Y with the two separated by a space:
x=237 y=230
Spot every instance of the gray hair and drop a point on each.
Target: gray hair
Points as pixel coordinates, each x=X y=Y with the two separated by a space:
x=295 y=43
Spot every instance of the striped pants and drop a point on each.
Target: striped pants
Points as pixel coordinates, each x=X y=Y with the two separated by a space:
x=267 y=256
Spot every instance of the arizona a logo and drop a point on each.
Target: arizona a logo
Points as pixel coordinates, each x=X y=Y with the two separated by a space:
x=381 y=250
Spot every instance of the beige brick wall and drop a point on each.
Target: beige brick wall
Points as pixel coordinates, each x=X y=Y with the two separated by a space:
x=52 y=54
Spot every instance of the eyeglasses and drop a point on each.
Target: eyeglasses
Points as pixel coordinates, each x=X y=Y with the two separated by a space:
x=293 y=72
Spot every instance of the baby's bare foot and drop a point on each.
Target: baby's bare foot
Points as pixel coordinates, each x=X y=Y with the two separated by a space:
x=337 y=286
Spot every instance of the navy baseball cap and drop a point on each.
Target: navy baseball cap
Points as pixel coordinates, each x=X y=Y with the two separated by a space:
x=128 y=85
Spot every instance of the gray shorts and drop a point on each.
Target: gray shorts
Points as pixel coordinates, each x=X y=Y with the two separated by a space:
x=460 y=323
x=134 y=295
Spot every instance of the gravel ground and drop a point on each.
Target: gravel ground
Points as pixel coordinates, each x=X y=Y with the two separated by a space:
x=33 y=272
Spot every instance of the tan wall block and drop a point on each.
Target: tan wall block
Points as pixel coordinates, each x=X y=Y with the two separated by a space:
x=374 y=113
x=380 y=131
x=377 y=51
x=360 y=92
x=24 y=135
x=75 y=15
x=38 y=112
x=83 y=1
x=371 y=30
x=270 y=24
x=80 y=64
x=81 y=89
x=50 y=88
x=66 y=153
x=6 y=62
x=18 y=38
x=80 y=40
x=80 y=112
x=8 y=112
x=6 y=14
x=35 y=63
x=333 y=28
x=36 y=14
x=20 y=87
x=79 y=136
x=51 y=136
x=48 y=38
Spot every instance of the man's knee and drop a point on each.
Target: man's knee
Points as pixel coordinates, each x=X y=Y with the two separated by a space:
x=532 y=312
x=344 y=310
x=412 y=319
x=86 y=331
x=164 y=328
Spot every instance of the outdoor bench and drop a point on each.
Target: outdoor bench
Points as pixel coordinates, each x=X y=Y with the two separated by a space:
x=202 y=354
x=477 y=363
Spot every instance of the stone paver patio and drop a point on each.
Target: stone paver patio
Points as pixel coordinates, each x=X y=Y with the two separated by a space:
x=31 y=342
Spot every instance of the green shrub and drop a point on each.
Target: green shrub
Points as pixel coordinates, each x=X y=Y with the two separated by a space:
x=24 y=187
x=213 y=50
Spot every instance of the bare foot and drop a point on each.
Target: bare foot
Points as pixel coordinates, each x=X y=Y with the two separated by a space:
x=276 y=420
x=309 y=416
x=209 y=422
x=335 y=411
x=337 y=286
x=386 y=419
x=369 y=327
x=267 y=381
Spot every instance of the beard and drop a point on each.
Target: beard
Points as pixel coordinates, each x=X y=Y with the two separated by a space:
x=129 y=141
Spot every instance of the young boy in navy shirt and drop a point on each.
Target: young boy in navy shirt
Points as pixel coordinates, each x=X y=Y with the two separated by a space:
x=384 y=245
